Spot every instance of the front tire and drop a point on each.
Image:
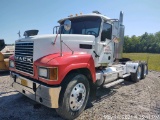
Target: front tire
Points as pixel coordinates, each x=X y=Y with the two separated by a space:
x=74 y=96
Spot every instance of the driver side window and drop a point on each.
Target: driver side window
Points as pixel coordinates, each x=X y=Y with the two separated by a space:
x=106 y=32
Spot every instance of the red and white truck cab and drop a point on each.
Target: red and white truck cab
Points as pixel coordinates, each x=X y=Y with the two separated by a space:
x=61 y=70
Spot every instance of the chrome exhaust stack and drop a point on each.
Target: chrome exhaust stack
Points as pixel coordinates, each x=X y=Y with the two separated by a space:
x=119 y=45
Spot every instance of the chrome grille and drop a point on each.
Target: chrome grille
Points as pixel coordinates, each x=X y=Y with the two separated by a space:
x=24 y=56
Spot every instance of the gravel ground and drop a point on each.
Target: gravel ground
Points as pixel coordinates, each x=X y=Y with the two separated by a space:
x=130 y=101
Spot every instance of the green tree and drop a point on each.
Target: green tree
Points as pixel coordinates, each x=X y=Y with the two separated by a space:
x=145 y=43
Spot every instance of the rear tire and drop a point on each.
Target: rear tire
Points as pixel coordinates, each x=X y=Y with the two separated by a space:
x=135 y=77
x=74 y=96
x=144 y=70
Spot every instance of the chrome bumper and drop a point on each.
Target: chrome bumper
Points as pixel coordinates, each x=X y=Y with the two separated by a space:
x=48 y=96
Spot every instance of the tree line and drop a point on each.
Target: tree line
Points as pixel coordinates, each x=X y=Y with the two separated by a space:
x=146 y=43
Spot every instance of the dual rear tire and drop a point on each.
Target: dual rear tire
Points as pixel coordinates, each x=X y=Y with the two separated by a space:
x=144 y=70
x=141 y=72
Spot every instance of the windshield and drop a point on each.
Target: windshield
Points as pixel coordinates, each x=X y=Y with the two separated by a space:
x=84 y=25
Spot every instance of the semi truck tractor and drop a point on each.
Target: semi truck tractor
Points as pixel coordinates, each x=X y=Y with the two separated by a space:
x=62 y=70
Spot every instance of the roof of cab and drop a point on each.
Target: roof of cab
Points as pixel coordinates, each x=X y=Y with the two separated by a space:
x=85 y=15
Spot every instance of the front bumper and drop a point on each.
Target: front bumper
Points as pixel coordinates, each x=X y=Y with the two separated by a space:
x=48 y=96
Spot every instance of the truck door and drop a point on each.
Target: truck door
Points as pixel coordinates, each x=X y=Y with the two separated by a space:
x=106 y=45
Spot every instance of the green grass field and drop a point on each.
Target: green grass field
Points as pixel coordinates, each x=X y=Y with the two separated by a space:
x=153 y=59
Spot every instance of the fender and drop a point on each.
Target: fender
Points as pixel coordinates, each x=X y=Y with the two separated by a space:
x=90 y=66
x=132 y=67
x=65 y=64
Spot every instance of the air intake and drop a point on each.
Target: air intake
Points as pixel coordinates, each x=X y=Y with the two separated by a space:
x=30 y=33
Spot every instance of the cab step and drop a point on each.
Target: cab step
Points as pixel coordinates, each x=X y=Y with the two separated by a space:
x=113 y=83
x=126 y=75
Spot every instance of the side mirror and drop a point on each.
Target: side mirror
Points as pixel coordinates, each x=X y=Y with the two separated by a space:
x=67 y=25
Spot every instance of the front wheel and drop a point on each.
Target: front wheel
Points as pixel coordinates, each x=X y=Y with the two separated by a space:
x=74 y=96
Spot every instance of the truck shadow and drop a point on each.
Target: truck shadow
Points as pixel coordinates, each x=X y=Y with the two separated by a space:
x=19 y=107
x=105 y=93
x=4 y=73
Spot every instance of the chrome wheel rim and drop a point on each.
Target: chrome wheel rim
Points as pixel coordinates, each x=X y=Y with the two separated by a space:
x=77 y=96
x=145 y=70
x=139 y=73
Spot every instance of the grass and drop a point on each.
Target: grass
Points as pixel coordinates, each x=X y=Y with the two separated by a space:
x=152 y=59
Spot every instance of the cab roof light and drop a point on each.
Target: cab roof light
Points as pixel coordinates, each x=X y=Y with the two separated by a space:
x=75 y=15
x=97 y=12
x=70 y=15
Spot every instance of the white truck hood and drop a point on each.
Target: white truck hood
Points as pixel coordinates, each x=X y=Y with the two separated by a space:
x=43 y=44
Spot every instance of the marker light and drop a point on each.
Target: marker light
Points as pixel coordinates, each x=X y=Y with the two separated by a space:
x=53 y=74
x=11 y=64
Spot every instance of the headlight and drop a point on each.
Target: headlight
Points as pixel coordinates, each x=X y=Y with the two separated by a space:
x=43 y=72
x=11 y=63
x=48 y=73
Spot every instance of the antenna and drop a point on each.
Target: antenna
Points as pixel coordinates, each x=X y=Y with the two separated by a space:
x=19 y=33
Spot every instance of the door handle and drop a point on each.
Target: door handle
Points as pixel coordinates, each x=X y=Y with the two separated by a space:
x=104 y=45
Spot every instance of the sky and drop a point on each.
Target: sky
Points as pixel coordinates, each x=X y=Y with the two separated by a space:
x=140 y=16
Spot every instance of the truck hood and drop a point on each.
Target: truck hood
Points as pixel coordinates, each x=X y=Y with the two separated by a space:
x=55 y=59
x=43 y=44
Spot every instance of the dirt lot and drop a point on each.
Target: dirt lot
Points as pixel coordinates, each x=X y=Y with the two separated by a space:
x=138 y=101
